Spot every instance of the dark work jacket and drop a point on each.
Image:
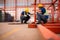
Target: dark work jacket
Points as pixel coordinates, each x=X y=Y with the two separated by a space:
x=43 y=10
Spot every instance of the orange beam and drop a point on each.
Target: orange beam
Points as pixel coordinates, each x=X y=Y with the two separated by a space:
x=48 y=34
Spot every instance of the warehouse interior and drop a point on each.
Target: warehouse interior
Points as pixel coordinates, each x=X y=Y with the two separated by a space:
x=12 y=29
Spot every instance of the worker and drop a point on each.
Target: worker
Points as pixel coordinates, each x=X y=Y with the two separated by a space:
x=40 y=14
x=25 y=16
x=41 y=7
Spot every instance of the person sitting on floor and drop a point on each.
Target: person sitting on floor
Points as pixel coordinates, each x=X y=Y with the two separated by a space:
x=25 y=15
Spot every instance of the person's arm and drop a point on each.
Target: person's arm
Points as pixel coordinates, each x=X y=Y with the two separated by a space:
x=29 y=14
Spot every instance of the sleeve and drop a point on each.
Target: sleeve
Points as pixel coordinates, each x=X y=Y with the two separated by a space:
x=29 y=14
x=22 y=13
x=43 y=10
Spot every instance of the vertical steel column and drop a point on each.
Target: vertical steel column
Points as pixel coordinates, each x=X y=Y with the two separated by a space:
x=15 y=10
x=4 y=5
x=4 y=10
x=27 y=3
x=58 y=10
x=52 y=11
x=39 y=1
x=34 y=10
x=33 y=24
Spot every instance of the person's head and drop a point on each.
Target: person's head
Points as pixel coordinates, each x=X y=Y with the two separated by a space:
x=26 y=9
x=40 y=5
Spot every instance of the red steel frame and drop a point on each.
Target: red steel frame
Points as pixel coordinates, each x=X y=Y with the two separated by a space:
x=35 y=9
x=4 y=5
x=52 y=2
x=52 y=10
x=39 y=1
x=15 y=10
x=58 y=10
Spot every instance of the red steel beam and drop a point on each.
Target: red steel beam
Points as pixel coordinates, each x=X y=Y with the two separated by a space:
x=27 y=3
x=39 y=1
x=15 y=10
x=48 y=34
x=45 y=3
x=52 y=3
x=4 y=5
x=58 y=10
x=34 y=11
x=52 y=11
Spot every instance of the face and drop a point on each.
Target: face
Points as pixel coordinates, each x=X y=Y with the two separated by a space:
x=38 y=10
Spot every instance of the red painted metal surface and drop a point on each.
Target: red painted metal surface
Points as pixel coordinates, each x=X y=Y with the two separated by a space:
x=4 y=5
x=55 y=30
x=15 y=10
x=32 y=25
x=35 y=11
x=58 y=10
x=47 y=33
x=55 y=27
x=52 y=11
x=52 y=2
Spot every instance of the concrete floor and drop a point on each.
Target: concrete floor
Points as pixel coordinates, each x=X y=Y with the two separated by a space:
x=12 y=31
